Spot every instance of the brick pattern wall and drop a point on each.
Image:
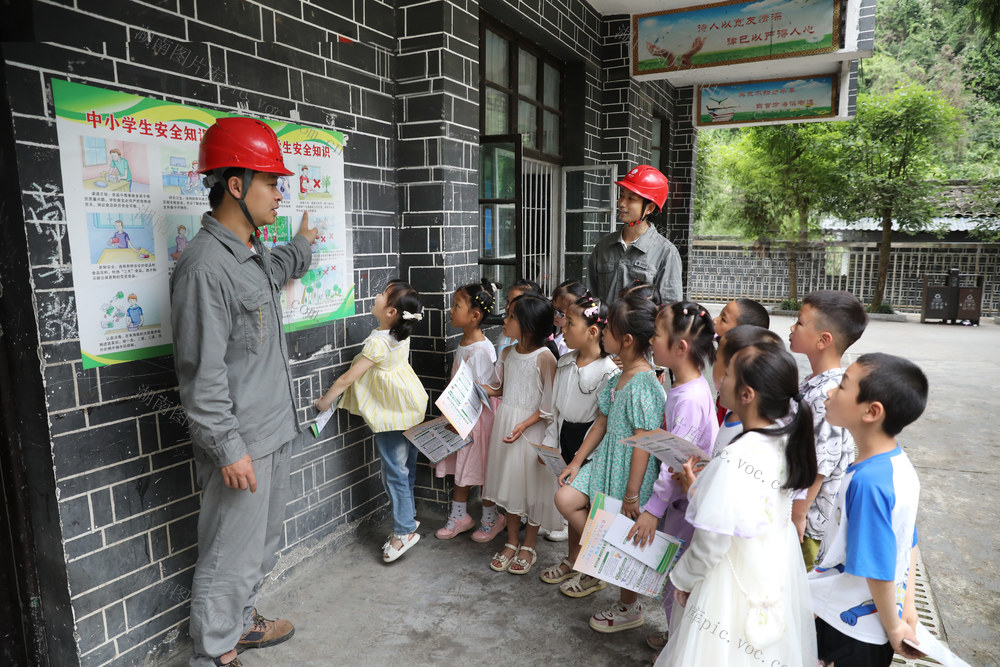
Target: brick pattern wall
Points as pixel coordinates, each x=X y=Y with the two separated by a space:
x=402 y=81
x=437 y=100
x=122 y=458
x=629 y=107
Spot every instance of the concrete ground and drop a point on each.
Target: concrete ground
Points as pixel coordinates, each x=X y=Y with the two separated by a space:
x=442 y=604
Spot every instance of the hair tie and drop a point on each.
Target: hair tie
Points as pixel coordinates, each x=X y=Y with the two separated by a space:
x=685 y=311
x=701 y=314
x=797 y=397
x=412 y=316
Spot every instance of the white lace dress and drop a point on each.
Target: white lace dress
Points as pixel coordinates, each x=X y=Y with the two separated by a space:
x=515 y=479
x=744 y=548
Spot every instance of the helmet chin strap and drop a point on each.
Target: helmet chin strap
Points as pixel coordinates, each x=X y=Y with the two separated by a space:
x=216 y=177
x=247 y=179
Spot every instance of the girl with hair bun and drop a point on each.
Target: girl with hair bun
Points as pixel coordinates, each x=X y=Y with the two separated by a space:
x=382 y=388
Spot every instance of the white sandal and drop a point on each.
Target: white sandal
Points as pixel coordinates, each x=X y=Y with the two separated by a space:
x=524 y=566
x=391 y=553
x=505 y=561
x=556 y=574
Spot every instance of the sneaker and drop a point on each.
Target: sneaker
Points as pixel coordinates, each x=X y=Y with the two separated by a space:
x=265 y=632
x=557 y=535
x=488 y=531
x=657 y=641
x=618 y=618
x=235 y=662
x=455 y=527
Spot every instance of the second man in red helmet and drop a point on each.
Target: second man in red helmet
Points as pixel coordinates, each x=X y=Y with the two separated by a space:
x=637 y=252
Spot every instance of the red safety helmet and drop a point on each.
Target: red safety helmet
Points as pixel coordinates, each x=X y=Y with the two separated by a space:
x=647 y=181
x=241 y=142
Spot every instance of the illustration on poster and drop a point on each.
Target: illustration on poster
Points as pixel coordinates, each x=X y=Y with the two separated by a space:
x=134 y=202
x=114 y=165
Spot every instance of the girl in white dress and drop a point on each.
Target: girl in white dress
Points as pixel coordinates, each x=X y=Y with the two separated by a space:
x=580 y=376
x=741 y=585
x=516 y=478
x=470 y=305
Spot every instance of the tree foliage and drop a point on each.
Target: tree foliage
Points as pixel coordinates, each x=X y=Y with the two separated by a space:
x=886 y=162
x=778 y=180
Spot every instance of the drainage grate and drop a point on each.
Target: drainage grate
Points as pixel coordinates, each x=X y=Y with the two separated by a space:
x=927 y=613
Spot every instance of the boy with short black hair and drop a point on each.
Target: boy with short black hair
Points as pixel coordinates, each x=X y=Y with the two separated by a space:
x=737 y=312
x=862 y=589
x=829 y=322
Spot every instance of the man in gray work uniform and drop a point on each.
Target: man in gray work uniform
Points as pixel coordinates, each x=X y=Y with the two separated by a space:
x=637 y=253
x=236 y=386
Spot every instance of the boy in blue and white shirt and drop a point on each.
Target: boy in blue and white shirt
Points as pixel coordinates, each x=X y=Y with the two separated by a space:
x=862 y=588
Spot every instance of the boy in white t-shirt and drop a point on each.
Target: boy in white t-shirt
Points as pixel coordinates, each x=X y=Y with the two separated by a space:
x=862 y=588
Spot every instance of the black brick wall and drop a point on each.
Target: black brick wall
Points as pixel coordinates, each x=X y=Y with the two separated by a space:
x=401 y=79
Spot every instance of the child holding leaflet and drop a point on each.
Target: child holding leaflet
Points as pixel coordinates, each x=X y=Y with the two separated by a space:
x=862 y=589
x=630 y=404
x=732 y=342
x=382 y=388
x=516 y=478
x=829 y=322
x=580 y=376
x=470 y=305
x=684 y=343
x=742 y=572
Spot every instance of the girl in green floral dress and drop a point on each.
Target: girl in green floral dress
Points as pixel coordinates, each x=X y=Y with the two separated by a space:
x=630 y=404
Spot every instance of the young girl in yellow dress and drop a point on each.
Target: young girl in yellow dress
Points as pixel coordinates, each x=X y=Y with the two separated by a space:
x=382 y=388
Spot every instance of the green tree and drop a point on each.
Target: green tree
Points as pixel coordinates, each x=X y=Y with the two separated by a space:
x=781 y=177
x=885 y=163
x=987 y=13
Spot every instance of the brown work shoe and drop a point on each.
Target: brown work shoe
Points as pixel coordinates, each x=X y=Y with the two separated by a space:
x=265 y=632
x=235 y=662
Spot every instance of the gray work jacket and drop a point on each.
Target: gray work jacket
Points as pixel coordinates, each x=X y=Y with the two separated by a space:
x=649 y=259
x=229 y=345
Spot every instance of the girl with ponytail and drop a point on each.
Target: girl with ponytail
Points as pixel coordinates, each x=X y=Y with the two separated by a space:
x=683 y=343
x=580 y=377
x=743 y=567
x=470 y=306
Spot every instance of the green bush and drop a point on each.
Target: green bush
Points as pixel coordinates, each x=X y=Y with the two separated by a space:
x=883 y=309
x=790 y=304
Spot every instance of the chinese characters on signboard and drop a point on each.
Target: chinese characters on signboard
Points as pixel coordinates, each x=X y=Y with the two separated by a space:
x=733 y=32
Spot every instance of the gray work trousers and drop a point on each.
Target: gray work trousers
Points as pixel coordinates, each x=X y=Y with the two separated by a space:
x=238 y=537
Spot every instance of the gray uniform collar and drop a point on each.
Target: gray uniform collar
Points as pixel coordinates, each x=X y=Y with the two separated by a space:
x=239 y=249
x=641 y=243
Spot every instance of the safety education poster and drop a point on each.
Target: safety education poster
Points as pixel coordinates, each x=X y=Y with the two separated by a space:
x=134 y=200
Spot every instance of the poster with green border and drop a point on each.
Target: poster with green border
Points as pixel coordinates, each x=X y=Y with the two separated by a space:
x=735 y=31
x=134 y=200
